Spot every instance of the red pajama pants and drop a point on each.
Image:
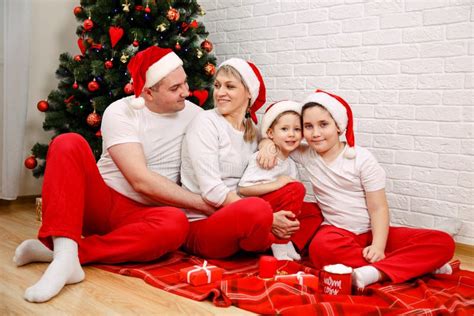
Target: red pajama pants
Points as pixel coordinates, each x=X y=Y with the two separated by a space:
x=243 y=225
x=409 y=253
x=246 y=224
x=290 y=198
x=108 y=227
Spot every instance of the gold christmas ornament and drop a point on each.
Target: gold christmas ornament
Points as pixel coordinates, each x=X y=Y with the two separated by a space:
x=161 y=27
x=123 y=58
x=126 y=6
x=199 y=53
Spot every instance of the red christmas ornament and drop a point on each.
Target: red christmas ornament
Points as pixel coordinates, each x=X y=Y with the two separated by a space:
x=93 y=86
x=209 y=69
x=207 y=46
x=31 y=162
x=128 y=89
x=98 y=133
x=109 y=64
x=42 y=106
x=77 y=11
x=138 y=7
x=201 y=95
x=177 y=46
x=93 y=119
x=147 y=9
x=88 y=24
x=75 y=85
x=78 y=58
x=135 y=43
x=115 y=34
x=172 y=15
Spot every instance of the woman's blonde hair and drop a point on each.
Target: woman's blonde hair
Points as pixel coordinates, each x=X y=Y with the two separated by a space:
x=250 y=132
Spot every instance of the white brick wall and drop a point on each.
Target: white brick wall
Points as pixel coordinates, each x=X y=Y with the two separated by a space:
x=406 y=66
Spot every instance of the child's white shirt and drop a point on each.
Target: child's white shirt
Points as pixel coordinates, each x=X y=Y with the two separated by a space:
x=340 y=187
x=255 y=175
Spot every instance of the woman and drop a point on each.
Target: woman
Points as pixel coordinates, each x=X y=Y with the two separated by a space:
x=215 y=153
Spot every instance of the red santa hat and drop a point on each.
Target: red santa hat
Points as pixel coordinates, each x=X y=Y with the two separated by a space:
x=253 y=80
x=341 y=113
x=276 y=109
x=148 y=67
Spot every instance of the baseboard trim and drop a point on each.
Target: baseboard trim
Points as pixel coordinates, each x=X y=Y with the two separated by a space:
x=19 y=200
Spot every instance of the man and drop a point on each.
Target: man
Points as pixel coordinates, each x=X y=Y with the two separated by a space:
x=118 y=205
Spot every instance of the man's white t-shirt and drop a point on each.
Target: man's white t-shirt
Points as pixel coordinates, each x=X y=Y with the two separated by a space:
x=340 y=187
x=255 y=175
x=214 y=158
x=160 y=135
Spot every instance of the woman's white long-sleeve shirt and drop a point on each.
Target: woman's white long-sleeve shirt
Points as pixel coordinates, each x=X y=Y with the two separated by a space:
x=214 y=157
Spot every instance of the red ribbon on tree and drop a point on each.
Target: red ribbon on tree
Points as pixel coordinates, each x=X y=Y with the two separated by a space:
x=82 y=47
x=186 y=26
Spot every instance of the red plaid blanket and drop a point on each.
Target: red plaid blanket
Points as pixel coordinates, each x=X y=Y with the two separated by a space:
x=241 y=286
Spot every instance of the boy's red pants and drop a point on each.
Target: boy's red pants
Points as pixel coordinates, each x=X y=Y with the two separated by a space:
x=114 y=228
x=409 y=253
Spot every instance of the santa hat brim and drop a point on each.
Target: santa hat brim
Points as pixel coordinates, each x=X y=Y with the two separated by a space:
x=274 y=110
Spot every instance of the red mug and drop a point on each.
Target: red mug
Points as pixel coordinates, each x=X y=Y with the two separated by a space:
x=335 y=280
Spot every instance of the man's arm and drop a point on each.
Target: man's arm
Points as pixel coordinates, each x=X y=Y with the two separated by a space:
x=130 y=159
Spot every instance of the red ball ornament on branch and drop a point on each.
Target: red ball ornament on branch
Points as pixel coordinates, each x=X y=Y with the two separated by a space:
x=172 y=15
x=75 y=85
x=147 y=9
x=177 y=46
x=135 y=43
x=88 y=24
x=209 y=69
x=78 y=58
x=31 y=162
x=128 y=89
x=93 y=119
x=93 y=86
x=42 y=106
x=109 y=64
x=207 y=46
x=77 y=11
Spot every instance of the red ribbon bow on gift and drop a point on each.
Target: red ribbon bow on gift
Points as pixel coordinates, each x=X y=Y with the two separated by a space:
x=204 y=267
x=186 y=26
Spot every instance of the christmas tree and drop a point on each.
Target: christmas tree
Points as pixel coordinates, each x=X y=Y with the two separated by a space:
x=109 y=34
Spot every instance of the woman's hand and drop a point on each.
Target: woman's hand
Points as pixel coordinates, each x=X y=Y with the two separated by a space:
x=373 y=254
x=267 y=155
x=284 y=224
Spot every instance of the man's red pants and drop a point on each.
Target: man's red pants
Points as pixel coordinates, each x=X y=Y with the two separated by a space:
x=409 y=253
x=114 y=228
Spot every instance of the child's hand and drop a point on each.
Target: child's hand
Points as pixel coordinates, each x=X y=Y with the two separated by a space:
x=284 y=180
x=373 y=254
x=267 y=155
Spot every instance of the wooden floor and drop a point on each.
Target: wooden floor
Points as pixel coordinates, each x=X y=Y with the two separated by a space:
x=102 y=292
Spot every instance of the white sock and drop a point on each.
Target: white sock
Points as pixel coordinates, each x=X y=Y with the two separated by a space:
x=445 y=269
x=366 y=275
x=32 y=250
x=291 y=251
x=64 y=269
x=280 y=251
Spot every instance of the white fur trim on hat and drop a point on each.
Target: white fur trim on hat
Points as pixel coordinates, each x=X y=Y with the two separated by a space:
x=162 y=68
x=247 y=73
x=337 y=110
x=274 y=110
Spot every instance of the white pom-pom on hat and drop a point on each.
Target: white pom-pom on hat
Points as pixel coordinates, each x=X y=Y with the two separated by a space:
x=341 y=113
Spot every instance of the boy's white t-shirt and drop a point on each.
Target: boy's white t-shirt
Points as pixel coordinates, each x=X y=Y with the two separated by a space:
x=214 y=158
x=255 y=175
x=340 y=187
x=160 y=135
